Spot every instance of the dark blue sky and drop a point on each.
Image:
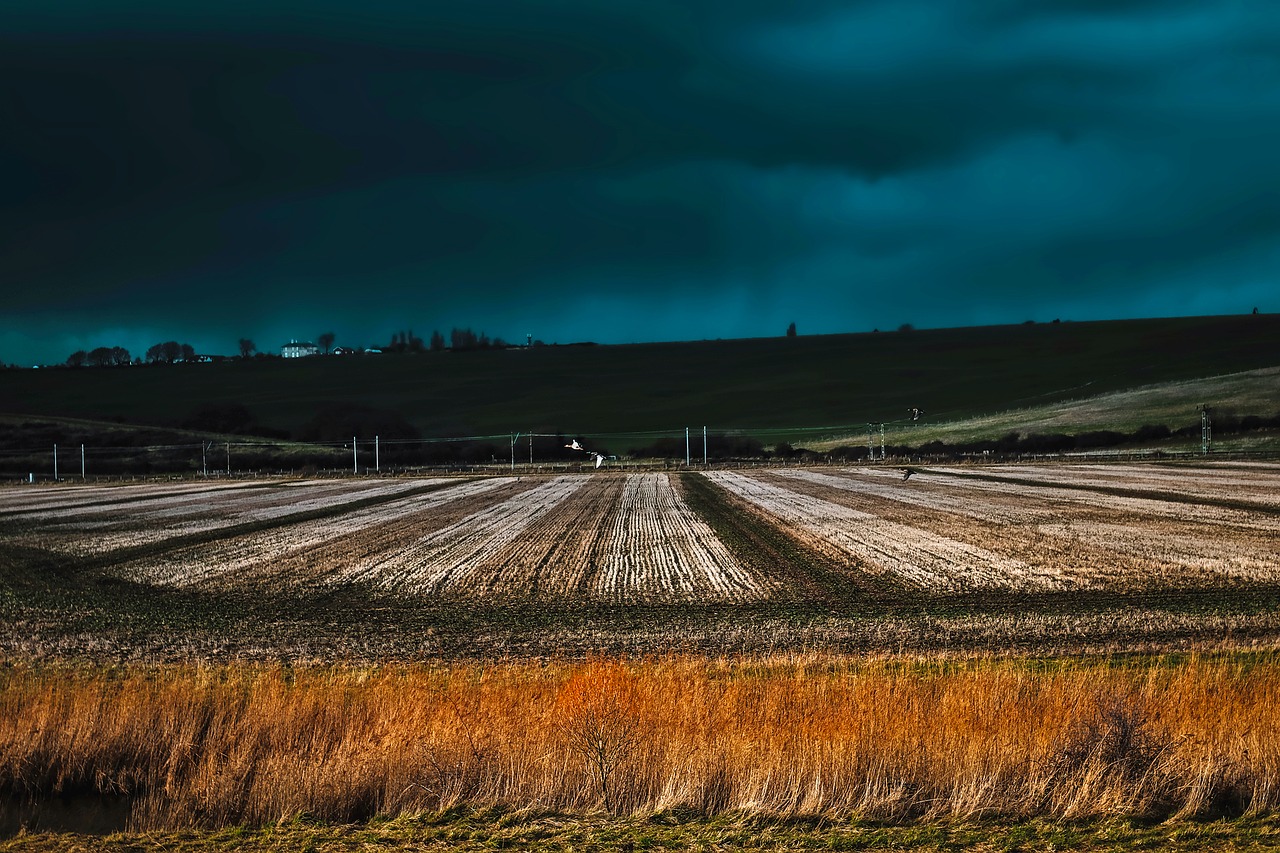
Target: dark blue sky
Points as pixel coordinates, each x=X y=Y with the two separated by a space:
x=627 y=171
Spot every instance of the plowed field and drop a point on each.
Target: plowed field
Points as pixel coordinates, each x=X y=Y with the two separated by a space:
x=1201 y=545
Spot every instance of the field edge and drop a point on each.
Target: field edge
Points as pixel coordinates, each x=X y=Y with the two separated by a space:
x=484 y=830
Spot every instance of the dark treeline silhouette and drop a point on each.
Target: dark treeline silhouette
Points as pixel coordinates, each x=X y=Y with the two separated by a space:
x=170 y=352
x=99 y=357
x=403 y=341
x=465 y=339
x=459 y=339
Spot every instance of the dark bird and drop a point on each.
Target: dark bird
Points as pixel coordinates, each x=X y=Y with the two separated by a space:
x=907 y=472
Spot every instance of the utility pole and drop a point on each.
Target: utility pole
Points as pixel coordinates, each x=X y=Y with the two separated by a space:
x=531 y=449
x=55 y=463
x=1206 y=430
x=686 y=447
x=704 y=447
x=377 y=459
x=355 y=460
x=82 y=462
x=871 y=441
x=228 y=459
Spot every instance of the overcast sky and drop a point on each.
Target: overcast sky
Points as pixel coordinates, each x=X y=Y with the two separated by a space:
x=625 y=171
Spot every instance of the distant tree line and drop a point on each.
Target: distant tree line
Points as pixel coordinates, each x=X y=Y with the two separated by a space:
x=459 y=339
x=100 y=357
x=170 y=352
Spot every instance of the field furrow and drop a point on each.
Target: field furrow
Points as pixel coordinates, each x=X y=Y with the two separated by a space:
x=791 y=563
x=1094 y=546
x=450 y=560
x=556 y=555
x=1187 y=554
x=1256 y=482
x=1008 y=527
x=924 y=492
x=128 y=526
x=919 y=557
x=658 y=549
x=283 y=550
x=24 y=499
x=1064 y=490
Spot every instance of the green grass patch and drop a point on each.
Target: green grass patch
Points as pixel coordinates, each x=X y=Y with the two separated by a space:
x=497 y=830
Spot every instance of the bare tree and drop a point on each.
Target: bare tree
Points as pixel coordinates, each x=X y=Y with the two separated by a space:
x=601 y=727
x=246 y=347
x=326 y=341
x=100 y=356
x=461 y=339
x=77 y=358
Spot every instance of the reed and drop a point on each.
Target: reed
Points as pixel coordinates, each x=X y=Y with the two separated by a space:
x=895 y=739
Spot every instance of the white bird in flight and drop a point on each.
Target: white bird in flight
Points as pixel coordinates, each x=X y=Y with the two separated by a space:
x=575 y=445
x=599 y=457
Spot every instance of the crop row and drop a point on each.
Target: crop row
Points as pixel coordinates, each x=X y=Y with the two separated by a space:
x=632 y=538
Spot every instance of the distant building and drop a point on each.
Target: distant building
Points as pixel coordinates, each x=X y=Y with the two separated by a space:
x=345 y=351
x=298 y=349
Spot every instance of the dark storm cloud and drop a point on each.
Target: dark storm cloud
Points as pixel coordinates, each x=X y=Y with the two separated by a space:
x=693 y=170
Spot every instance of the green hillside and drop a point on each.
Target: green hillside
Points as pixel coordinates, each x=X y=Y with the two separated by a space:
x=801 y=389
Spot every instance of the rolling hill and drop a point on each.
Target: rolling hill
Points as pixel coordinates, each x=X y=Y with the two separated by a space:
x=812 y=390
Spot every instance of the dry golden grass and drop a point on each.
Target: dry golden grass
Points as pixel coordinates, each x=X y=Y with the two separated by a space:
x=800 y=735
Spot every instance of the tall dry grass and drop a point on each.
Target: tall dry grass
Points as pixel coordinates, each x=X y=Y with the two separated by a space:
x=211 y=746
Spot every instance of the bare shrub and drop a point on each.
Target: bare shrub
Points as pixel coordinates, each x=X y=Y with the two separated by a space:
x=599 y=724
x=1111 y=755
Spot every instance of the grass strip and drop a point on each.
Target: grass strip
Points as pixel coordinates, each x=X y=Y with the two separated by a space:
x=464 y=830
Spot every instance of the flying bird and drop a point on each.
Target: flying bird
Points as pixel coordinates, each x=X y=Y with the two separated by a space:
x=599 y=457
x=907 y=472
x=575 y=445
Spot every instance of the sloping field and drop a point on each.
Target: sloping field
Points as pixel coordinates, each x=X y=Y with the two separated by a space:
x=1060 y=530
x=632 y=537
x=615 y=538
x=146 y=514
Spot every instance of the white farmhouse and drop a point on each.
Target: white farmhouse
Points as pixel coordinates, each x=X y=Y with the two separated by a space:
x=298 y=349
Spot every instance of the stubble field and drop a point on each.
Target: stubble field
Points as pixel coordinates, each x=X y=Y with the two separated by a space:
x=635 y=538
x=1055 y=558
